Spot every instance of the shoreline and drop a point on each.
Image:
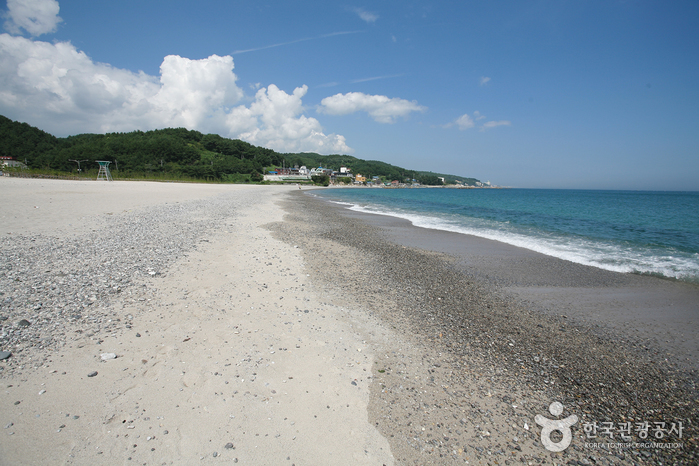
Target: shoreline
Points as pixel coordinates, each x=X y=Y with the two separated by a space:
x=614 y=258
x=453 y=315
x=658 y=312
x=257 y=324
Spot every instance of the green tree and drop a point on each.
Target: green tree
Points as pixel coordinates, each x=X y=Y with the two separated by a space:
x=179 y=152
x=430 y=180
x=321 y=180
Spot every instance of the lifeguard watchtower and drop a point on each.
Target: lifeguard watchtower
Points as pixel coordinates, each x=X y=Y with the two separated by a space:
x=104 y=173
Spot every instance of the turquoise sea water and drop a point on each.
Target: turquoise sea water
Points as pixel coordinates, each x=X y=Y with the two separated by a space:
x=626 y=231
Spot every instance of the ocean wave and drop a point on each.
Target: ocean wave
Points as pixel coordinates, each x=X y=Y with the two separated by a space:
x=607 y=255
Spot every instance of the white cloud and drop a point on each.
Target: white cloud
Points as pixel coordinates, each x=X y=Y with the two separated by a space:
x=493 y=124
x=61 y=90
x=37 y=17
x=193 y=91
x=465 y=121
x=274 y=120
x=484 y=80
x=366 y=16
x=376 y=78
x=296 y=41
x=379 y=107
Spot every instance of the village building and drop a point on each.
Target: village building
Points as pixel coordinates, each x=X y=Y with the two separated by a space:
x=10 y=162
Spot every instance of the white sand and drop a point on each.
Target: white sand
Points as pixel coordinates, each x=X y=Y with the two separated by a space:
x=60 y=207
x=227 y=351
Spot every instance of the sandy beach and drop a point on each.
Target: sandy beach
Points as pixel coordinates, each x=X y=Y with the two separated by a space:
x=224 y=351
x=164 y=323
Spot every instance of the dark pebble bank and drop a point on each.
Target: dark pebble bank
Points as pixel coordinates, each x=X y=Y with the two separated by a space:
x=473 y=366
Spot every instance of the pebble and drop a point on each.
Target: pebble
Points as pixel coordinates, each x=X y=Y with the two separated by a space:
x=4 y=355
x=107 y=356
x=75 y=285
x=492 y=349
x=77 y=279
x=92 y=374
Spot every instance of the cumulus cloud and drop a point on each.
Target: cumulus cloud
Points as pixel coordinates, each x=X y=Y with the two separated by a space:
x=274 y=120
x=37 y=17
x=192 y=91
x=467 y=121
x=57 y=88
x=379 y=107
x=366 y=16
x=61 y=90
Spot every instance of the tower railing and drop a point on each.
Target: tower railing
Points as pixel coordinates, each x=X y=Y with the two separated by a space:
x=104 y=173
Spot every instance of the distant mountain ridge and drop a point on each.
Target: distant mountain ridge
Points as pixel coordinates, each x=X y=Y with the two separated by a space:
x=179 y=151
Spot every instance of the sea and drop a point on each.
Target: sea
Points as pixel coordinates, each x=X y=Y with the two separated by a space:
x=643 y=232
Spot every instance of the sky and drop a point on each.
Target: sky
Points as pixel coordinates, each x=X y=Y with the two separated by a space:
x=583 y=94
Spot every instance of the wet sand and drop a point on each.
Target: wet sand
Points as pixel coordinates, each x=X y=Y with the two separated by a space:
x=662 y=314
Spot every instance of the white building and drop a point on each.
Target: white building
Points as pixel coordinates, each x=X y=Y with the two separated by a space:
x=10 y=162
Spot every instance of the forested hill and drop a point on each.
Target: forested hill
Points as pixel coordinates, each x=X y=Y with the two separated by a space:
x=177 y=152
x=369 y=168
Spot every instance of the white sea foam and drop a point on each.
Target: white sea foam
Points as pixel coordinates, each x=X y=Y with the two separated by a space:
x=341 y=203
x=605 y=255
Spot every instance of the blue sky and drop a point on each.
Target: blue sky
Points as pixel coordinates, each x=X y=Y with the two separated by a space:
x=551 y=94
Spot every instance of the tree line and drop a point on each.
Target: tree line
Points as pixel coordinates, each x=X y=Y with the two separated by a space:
x=177 y=152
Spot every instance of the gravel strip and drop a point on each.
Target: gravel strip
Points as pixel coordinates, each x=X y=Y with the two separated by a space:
x=53 y=290
x=470 y=367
